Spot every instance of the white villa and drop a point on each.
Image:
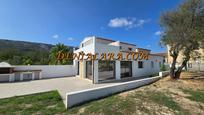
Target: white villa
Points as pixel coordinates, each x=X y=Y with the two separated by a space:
x=96 y=71
x=100 y=70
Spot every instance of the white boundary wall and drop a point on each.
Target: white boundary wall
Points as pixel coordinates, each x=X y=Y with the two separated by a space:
x=163 y=73
x=78 y=97
x=51 y=71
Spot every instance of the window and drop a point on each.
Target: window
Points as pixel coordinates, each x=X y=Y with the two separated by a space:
x=82 y=45
x=120 y=47
x=130 y=49
x=152 y=64
x=190 y=65
x=140 y=64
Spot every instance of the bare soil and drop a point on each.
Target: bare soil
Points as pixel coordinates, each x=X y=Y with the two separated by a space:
x=174 y=88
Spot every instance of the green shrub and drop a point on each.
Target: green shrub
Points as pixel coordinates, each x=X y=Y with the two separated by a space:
x=163 y=68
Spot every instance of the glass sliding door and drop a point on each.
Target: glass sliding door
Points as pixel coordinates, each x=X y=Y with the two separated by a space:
x=77 y=67
x=106 y=70
x=126 y=69
x=89 y=70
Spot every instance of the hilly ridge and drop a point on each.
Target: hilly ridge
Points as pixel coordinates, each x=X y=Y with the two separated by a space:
x=23 y=53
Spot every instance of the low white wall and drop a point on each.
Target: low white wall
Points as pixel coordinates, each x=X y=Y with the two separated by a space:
x=163 y=73
x=197 y=67
x=78 y=97
x=51 y=71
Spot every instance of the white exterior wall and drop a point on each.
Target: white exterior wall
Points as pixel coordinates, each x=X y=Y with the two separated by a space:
x=147 y=69
x=95 y=63
x=126 y=46
x=87 y=49
x=100 y=48
x=117 y=70
x=103 y=48
x=51 y=71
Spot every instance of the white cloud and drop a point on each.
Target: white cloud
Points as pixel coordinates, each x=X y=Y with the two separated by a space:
x=126 y=22
x=55 y=36
x=158 y=33
x=140 y=22
x=70 y=39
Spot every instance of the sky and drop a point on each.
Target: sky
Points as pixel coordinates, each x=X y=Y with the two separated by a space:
x=70 y=21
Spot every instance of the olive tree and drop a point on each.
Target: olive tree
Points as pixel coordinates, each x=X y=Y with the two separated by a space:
x=183 y=32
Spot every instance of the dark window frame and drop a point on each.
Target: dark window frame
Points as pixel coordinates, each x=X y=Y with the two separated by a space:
x=140 y=64
x=130 y=49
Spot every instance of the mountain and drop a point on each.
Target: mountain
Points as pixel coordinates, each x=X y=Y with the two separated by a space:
x=23 y=46
x=21 y=52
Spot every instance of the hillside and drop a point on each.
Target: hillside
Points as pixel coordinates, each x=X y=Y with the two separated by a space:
x=21 y=52
x=23 y=46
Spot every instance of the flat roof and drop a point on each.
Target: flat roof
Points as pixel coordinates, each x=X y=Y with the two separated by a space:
x=161 y=54
x=114 y=41
x=156 y=55
x=144 y=49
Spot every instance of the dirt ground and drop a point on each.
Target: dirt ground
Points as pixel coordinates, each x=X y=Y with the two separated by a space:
x=175 y=89
x=189 y=80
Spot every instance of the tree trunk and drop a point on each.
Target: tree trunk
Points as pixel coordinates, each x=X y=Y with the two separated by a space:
x=172 y=69
x=178 y=72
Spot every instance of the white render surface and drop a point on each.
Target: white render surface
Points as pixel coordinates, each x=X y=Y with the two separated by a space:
x=51 y=71
x=78 y=97
x=163 y=73
x=99 y=46
x=117 y=70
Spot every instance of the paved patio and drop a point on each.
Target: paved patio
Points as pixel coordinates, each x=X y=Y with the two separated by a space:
x=63 y=85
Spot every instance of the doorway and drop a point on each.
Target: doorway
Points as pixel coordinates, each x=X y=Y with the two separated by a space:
x=125 y=69
x=106 y=70
x=89 y=70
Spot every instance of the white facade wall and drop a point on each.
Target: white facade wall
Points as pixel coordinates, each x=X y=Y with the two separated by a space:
x=99 y=47
x=51 y=71
x=117 y=69
x=87 y=49
x=126 y=46
x=147 y=68
x=103 y=48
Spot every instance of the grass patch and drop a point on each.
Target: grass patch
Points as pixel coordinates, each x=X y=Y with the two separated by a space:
x=113 y=105
x=162 y=99
x=51 y=103
x=132 y=103
x=41 y=103
x=195 y=95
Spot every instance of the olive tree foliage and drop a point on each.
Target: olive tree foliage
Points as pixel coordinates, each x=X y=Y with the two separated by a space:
x=183 y=32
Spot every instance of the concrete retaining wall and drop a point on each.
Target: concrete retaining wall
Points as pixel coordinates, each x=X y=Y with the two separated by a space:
x=51 y=71
x=163 y=73
x=78 y=97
